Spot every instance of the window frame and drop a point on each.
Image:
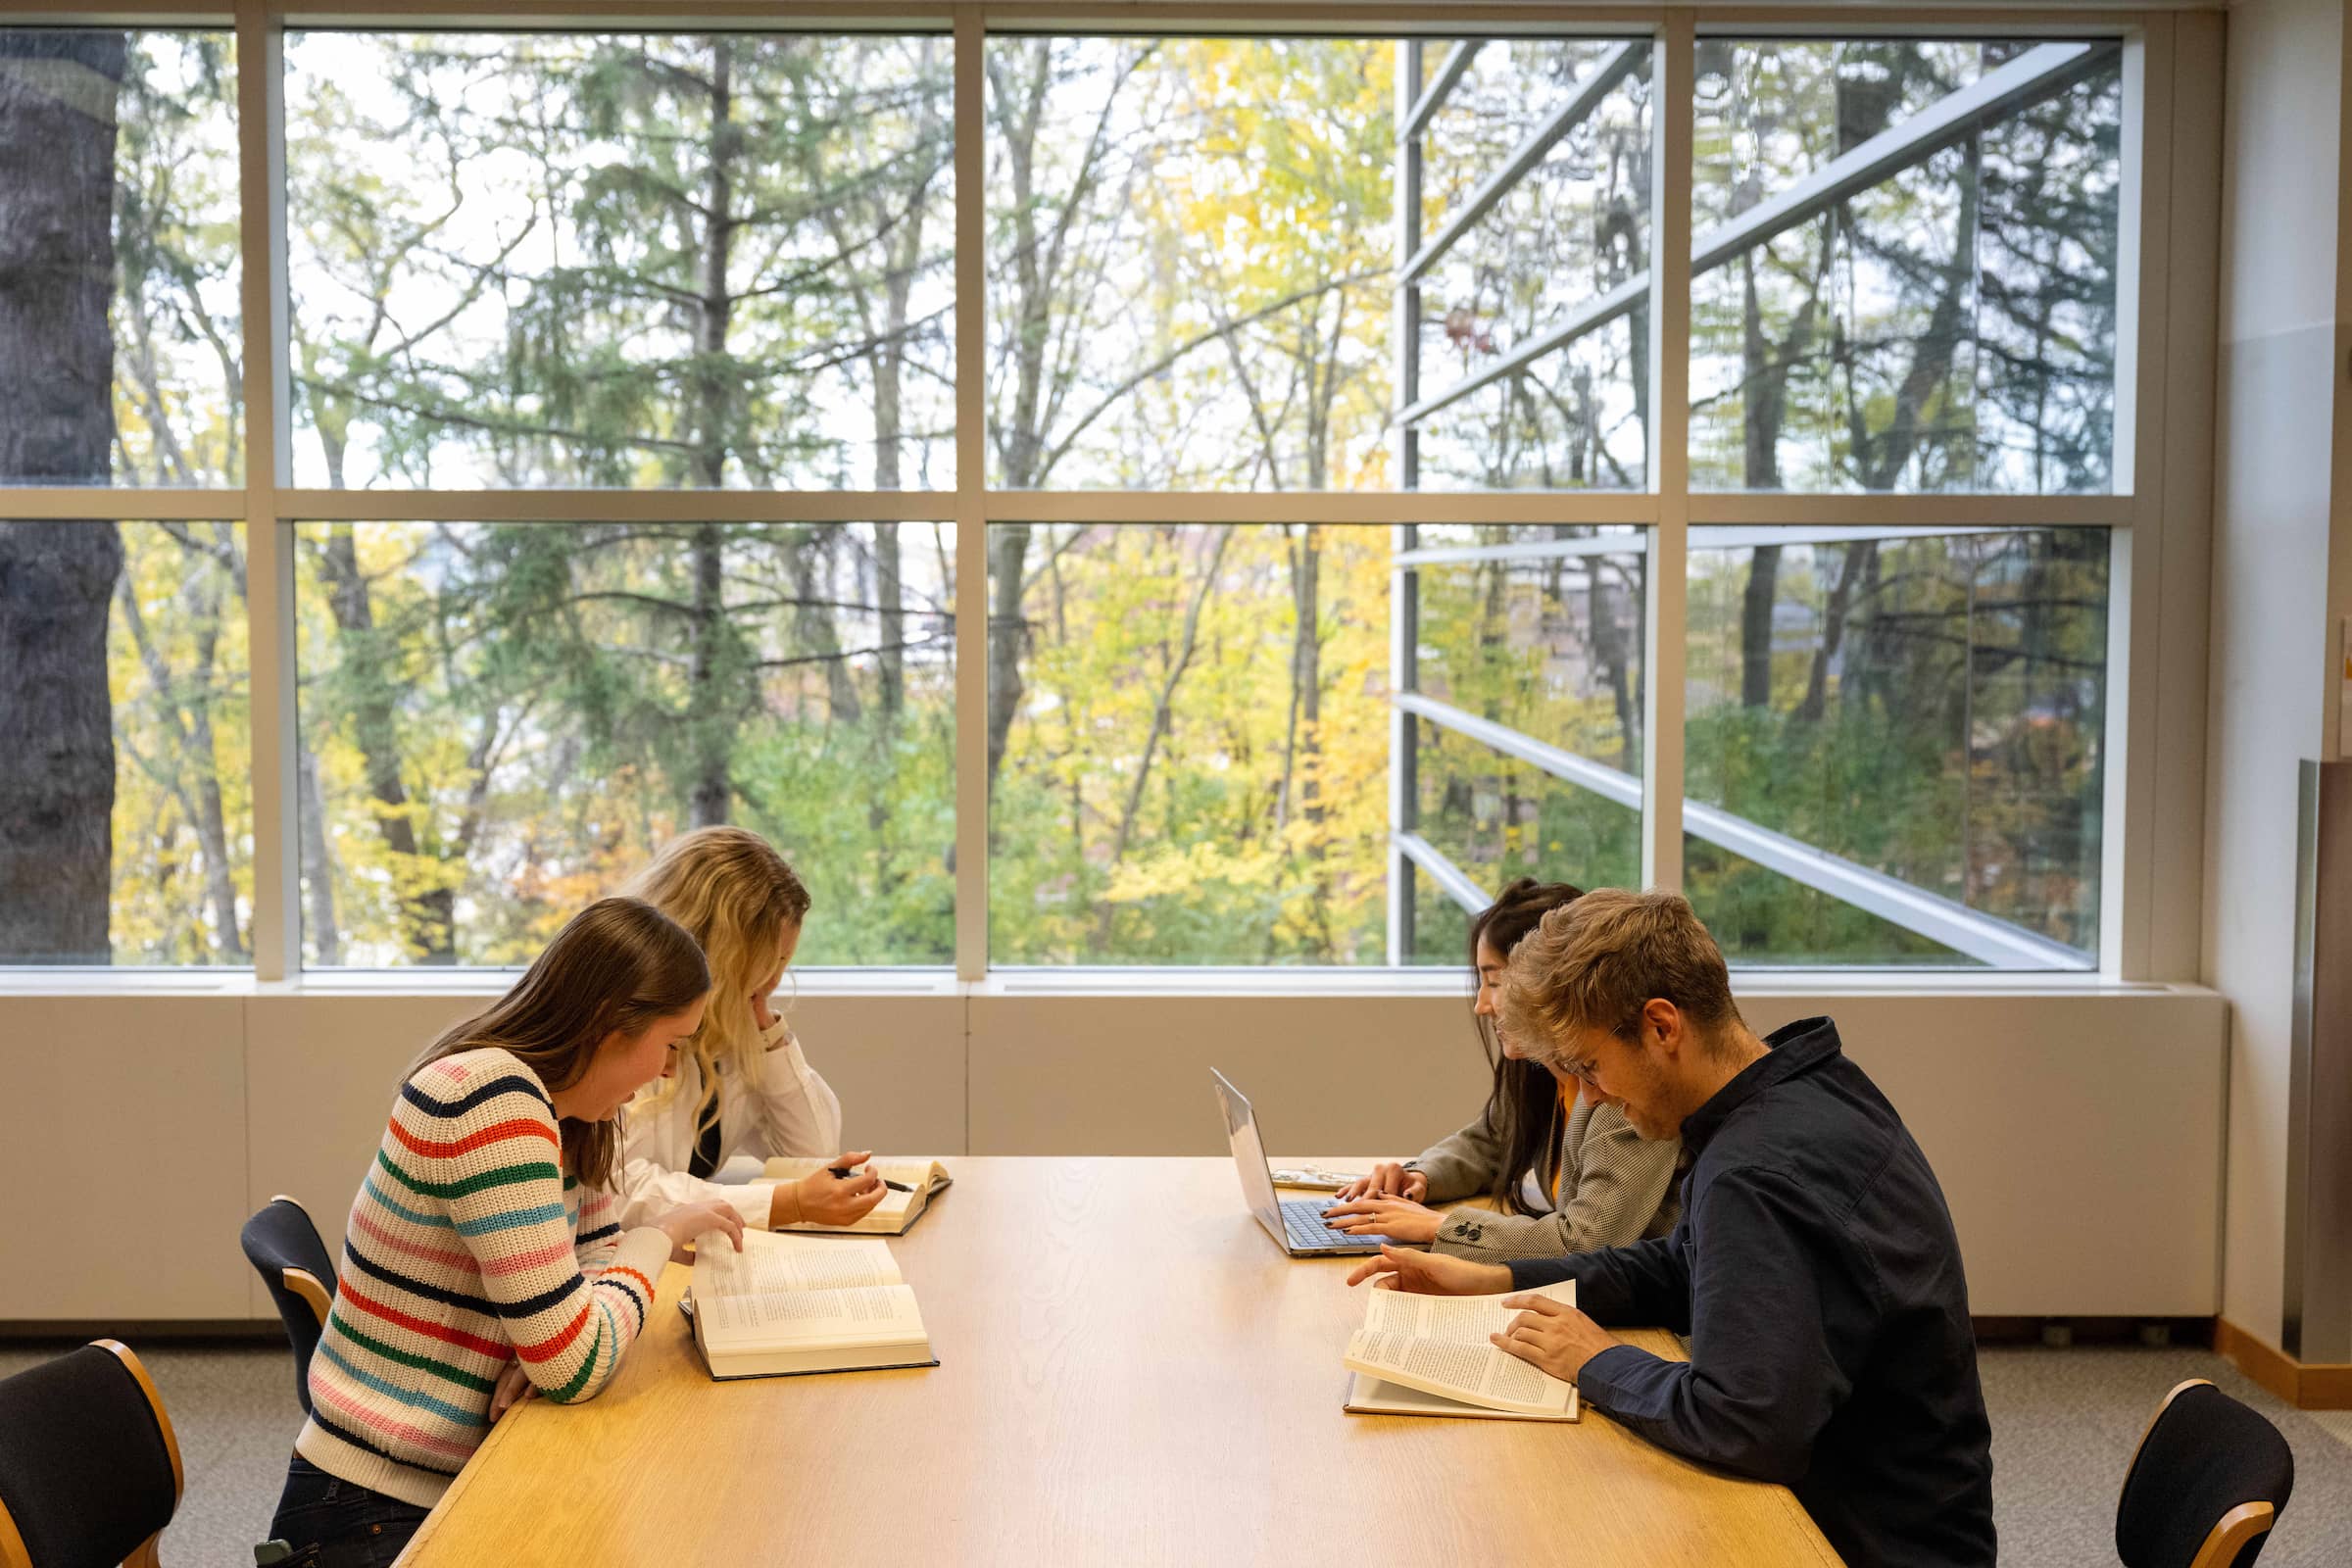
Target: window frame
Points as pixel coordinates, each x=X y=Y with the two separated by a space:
x=2160 y=501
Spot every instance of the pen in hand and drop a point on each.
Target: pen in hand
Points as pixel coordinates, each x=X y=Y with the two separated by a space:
x=845 y=1172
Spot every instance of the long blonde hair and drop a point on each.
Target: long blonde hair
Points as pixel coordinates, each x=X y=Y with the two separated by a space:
x=733 y=893
x=620 y=963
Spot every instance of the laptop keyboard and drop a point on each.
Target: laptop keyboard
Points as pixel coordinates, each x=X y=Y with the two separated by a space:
x=1303 y=1219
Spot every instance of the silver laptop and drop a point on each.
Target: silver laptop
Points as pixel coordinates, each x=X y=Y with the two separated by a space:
x=1295 y=1224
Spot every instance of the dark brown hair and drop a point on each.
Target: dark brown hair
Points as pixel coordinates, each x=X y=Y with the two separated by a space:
x=620 y=963
x=1523 y=1106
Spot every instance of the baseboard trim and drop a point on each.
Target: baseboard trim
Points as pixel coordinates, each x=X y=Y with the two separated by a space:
x=2305 y=1385
x=2103 y=1330
x=67 y=1331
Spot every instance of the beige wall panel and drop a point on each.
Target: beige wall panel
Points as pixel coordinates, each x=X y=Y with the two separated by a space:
x=1129 y=1074
x=134 y=1105
x=2078 y=1138
x=896 y=1062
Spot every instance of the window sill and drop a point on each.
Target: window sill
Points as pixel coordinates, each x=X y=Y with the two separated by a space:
x=1108 y=981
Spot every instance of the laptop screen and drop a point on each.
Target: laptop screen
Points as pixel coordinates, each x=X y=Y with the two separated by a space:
x=1249 y=1154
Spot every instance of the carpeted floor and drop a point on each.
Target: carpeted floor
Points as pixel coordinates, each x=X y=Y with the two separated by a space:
x=2064 y=1422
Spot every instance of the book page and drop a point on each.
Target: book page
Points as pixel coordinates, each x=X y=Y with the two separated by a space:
x=866 y=1314
x=1438 y=1344
x=1459 y=1319
x=771 y=1263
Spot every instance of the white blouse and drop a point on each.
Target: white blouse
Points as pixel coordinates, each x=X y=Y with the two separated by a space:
x=788 y=1111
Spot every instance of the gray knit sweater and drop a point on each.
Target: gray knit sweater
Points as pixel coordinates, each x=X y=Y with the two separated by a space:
x=1615 y=1187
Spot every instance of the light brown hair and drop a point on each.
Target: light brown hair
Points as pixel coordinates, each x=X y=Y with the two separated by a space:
x=620 y=963
x=1596 y=962
x=733 y=893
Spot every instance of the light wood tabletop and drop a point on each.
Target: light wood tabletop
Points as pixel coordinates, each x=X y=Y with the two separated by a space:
x=1130 y=1372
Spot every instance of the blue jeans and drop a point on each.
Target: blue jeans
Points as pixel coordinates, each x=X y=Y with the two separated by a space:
x=331 y=1523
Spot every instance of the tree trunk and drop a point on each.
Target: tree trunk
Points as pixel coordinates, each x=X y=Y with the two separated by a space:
x=890 y=598
x=708 y=729
x=1756 y=627
x=428 y=919
x=57 y=426
x=1007 y=557
x=1766 y=395
x=57 y=770
x=1858 y=558
x=812 y=621
x=1611 y=654
x=1306 y=676
x=319 y=874
x=1163 y=712
x=714 y=392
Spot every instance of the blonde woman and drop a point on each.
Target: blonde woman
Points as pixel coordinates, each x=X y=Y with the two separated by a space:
x=740 y=1085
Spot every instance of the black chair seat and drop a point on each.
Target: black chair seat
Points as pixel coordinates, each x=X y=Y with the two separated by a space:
x=89 y=1468
x=2210 y=1479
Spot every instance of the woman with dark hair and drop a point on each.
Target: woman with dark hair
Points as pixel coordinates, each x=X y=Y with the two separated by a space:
x=485 y=1258
x=1565 y=1174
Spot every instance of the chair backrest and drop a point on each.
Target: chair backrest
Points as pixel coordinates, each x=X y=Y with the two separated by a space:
x=89 y=1470
x=2210 y=1479
x=283 y=1248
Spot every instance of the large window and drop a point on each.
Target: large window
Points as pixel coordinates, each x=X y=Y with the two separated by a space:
x=1895 y=741
x=125 y=804
x=1248 y=502
x=120 y=335
x=717 y=259
x=499 y=723
x=1904 y=269
x=1196 y=767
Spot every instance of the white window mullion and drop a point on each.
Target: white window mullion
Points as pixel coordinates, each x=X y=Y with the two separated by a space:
x=1667 y=591
x=971 y=516
x=269 y=541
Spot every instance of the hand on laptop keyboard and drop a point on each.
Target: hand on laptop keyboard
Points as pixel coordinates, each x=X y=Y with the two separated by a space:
x=1397 y=1218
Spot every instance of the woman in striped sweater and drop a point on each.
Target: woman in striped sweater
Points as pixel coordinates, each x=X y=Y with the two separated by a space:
x=483 y=1261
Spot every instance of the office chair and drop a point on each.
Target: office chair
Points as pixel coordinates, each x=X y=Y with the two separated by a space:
x=89 y=1470
x=284 y=1246
x=2207 y=1481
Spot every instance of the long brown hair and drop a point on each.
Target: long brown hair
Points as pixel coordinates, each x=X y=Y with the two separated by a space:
x=735 y=896
x=620 y=963
x=1523 y=1106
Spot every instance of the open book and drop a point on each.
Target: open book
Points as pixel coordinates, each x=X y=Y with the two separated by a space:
x=890 y=1217
x=1430 y=1356
x=788 y=1305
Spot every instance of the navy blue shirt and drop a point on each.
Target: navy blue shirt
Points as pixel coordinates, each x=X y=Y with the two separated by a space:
x=1817 y=1274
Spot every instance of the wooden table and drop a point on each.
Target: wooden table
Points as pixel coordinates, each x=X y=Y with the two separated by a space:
x=1129 y=1373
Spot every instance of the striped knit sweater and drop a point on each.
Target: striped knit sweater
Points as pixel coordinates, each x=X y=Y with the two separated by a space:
x=468 y=1246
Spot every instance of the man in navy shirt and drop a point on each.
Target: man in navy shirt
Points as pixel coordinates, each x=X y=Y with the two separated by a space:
x=1814 y=1269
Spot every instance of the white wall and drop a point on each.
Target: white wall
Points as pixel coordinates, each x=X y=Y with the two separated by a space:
x=2079 y=1137
x=2279 y=549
